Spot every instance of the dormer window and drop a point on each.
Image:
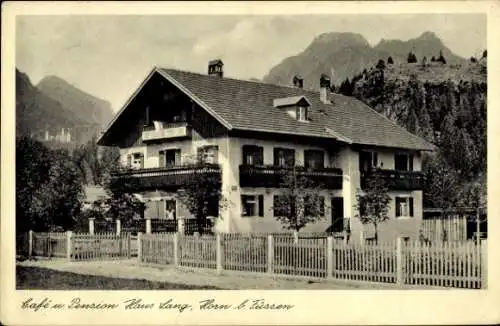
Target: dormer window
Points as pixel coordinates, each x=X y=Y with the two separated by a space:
x=295 y=106
x=302 y=113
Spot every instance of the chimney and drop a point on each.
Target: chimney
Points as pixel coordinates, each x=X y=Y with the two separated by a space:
x=298 y=81
x=324 y=88
x=215 y=68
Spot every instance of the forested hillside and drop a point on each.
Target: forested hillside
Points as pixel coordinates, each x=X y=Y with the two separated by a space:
x=445 y=104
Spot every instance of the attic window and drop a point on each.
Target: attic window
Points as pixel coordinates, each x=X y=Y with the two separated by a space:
x=302 y=113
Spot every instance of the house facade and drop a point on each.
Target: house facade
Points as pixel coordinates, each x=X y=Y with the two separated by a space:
x=246 y=132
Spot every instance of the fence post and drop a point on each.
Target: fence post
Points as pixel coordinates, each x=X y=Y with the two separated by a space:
x=68 y=244
x=91 y=225
x=129 y=246
x=399 y=261
x=176 y=249
x=148 y=225
x=484 y=264
x=118 y=226
x=329 y=258
x=30 y=244
x=180 y=225
x=270 y=253
x=218 y=253
x=139 y=247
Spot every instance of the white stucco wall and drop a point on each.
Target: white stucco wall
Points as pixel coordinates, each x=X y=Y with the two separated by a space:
x=344 y=157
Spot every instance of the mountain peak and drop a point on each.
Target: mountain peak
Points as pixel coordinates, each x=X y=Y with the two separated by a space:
x=341 y=38
x=428 y=35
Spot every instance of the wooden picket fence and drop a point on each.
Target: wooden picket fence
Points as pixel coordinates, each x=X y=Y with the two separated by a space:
x=49 y=244
x=105 y=246
x=459 y=265
x=78 y=246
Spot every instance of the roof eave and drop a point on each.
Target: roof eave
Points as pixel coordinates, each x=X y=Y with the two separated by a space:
x=194 y=98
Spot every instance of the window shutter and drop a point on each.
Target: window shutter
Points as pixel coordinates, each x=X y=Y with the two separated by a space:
x=276 y=153
x=321 y=206
x=161 y=208
x=259 y=155
x=411 y=206
x=142 y=160
x=261 y=205
x=410 y=162
x=161 y=156
x=398 y=206
x=177 y=157
x=290 y=161
x=129 y=161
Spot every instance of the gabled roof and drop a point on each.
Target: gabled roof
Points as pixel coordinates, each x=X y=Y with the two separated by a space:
x=249 y=106
x=291 y=100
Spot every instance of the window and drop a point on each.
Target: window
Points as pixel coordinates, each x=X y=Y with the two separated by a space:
x=403 y=162
x=367 y=160
x=170 y=209
x=208 y=154
x=284 y=157
x=253 y=155
x=135 y=161
x=314 y=159
x=170 y=157
x=284 y=206
x=302 y=113
x=404 y=206
x=252 y=205
x=314 y=206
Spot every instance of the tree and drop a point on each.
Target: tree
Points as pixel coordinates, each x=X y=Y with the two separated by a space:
x=473 y=60
x=299 y=202
x=373 y=203
x=380 y=64
x=203 y=196
x=441 y=185
x=32 y=171
x=390 y=61
x=121 y=202
x=424 y=61
x=441 y=58
x=485 y=53
x=95 y=162
x=433 y=59
x=412 y=58
x=48 y=187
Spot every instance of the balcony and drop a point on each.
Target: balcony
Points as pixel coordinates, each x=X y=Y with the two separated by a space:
x=271 y=176
x=172 y=177
x=163 y=130
x=397 y=180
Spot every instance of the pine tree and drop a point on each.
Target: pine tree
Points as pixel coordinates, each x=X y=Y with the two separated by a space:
x=380 y=64
x=390 y=61
x=441 y=58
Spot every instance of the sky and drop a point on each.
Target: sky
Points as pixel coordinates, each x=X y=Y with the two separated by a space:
x=108 y=56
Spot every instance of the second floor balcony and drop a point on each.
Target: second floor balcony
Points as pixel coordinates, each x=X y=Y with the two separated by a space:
x=163 y=130
x=397 y=180
x=272 y=176
x=171 y=177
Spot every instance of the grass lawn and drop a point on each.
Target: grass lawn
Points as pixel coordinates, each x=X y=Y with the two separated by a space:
x=30 y=278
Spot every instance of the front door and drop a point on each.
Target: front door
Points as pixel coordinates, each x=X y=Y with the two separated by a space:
x=337 y=214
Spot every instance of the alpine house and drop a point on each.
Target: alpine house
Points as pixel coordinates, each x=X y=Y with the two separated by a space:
x=245 y=132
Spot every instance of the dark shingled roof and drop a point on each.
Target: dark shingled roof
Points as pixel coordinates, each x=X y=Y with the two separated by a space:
x=246 y=105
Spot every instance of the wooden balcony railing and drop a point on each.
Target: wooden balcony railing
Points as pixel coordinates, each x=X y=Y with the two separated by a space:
x=166 y=130
x=166 y=177
x=397 y=180
x=271 y=176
